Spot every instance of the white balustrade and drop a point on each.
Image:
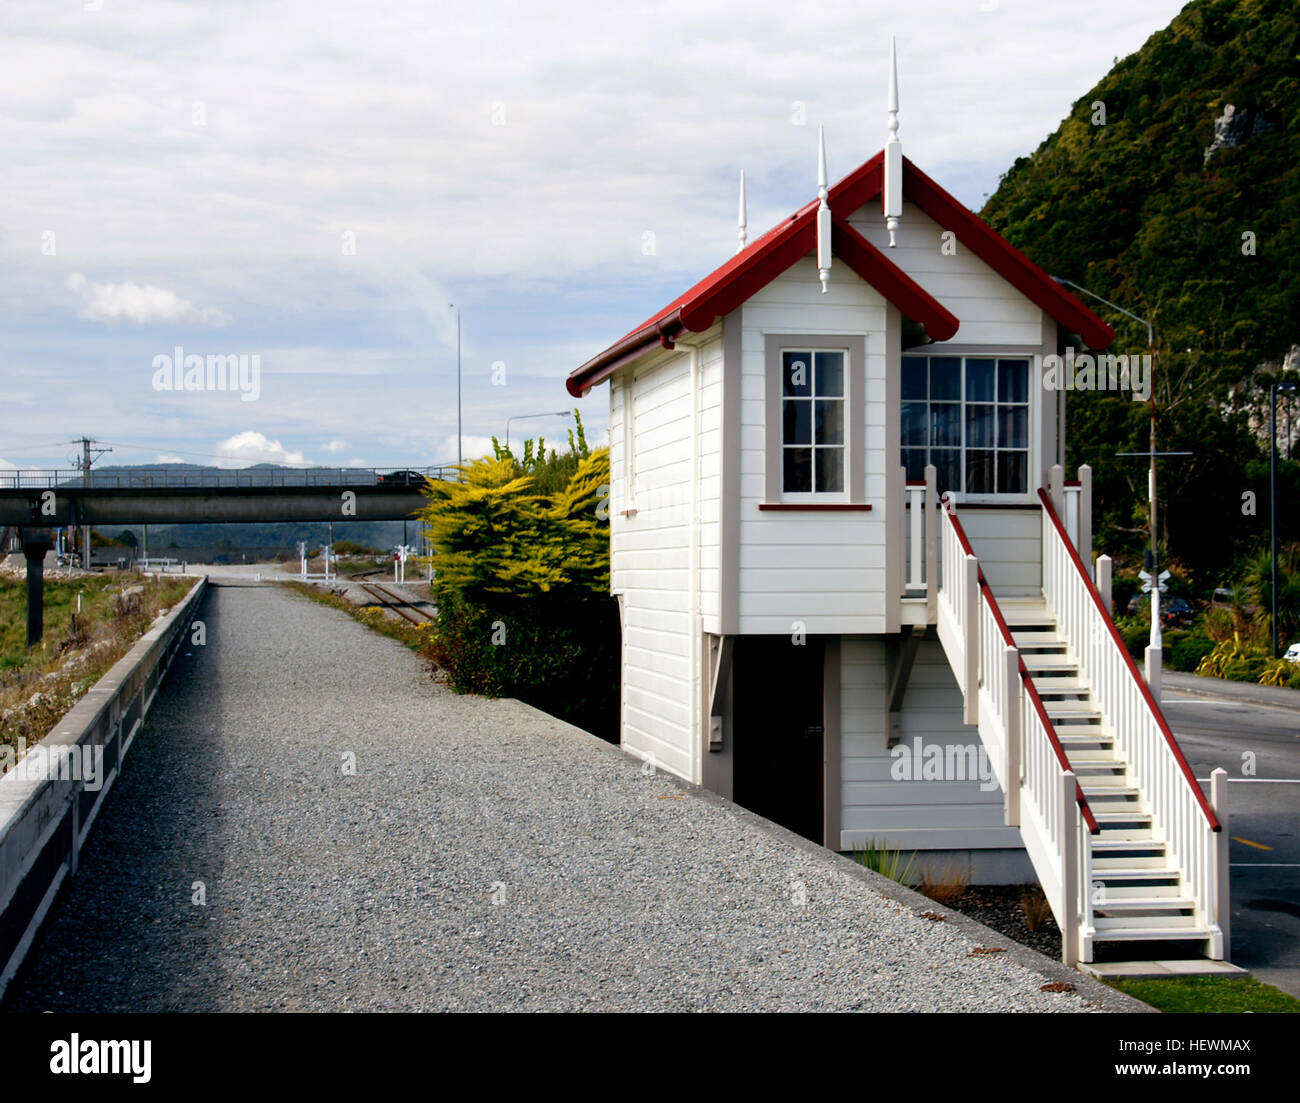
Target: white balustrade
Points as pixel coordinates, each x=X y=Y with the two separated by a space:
x=1181 y=815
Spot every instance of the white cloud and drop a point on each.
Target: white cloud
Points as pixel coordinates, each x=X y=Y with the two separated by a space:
x=334 y=446
x=325 y=119
x=169 y=457
x=254 y=447
x=142 y=304
x=473 y=447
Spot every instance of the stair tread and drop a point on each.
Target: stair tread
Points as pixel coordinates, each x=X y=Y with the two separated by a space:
x=1144 y=926
x=1046 y=637
x=1072 y=708
x=1127 y=844
x=1138 y=873
x=1138 y=903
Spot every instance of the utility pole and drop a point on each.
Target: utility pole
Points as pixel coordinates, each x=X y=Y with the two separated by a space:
x=1272 y=498
x=86 y=460
x=1155 y=645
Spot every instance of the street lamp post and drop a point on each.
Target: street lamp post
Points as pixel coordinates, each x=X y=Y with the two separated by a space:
x=1272 y=493
x=521 y=417
x=460 y=436
x=1154 y=649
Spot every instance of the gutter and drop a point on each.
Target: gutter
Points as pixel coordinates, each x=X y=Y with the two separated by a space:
x=601 y=367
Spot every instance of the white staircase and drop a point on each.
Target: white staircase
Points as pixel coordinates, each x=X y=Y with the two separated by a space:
x=1126 y=846
x=1136 y=891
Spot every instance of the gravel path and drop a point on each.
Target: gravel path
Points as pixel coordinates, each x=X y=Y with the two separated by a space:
x=483 y=856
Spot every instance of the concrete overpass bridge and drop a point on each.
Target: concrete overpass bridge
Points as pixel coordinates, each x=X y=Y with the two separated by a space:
x=37 y=501
x=49 y=498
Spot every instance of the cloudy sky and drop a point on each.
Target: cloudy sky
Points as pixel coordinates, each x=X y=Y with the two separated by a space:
x=314 y=181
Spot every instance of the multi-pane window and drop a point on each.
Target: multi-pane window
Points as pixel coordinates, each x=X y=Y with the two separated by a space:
x=812 y=419
x=969 y=416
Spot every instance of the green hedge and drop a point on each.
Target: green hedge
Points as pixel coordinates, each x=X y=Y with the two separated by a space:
x=1185 y=650
x=559 y=656
x=521 y=582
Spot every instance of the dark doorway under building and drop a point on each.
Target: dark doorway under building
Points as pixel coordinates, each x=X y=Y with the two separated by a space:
x=779 y=731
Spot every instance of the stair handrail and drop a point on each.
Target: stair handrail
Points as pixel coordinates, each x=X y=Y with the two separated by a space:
x=1145 y=690
x=1026 y=679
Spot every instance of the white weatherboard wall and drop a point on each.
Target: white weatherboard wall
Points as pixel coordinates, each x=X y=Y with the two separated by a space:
x=824 y=570
x=941 y=815
x=991 y=310
x=1009 y=545
x=650 y=540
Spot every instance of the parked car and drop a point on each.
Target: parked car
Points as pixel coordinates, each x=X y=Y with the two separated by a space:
x=1293 y=654
x=1222 y=597
x=1175 y=611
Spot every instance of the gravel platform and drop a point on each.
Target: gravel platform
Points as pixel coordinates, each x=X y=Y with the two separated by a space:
x=482 y=856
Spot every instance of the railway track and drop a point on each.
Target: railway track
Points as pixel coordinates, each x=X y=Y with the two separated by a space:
x=404 y=608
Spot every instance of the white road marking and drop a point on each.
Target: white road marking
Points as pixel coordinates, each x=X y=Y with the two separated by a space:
x=1265 y=780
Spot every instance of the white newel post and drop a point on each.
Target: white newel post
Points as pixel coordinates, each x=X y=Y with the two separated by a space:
x=1069 y=870
x=1056 y=489
x=1085 y=516
x=1104 y=584
x=971 y=644
x=1222 y=867
x=1154 y=661
x=931 y=544
x=1011 y=721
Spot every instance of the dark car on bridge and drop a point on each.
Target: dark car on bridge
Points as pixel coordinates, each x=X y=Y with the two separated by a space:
x=402 y=478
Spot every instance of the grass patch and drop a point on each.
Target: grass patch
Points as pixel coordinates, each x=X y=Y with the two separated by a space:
x=1202 y=995
x=416 y=637
x=945 y=886
x=39 y=686
x=889 y=863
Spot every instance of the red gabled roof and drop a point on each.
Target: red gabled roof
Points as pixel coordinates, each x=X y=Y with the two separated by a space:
x=758 y=264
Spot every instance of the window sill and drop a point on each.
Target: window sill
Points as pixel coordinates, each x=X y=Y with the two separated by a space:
x=823 y=507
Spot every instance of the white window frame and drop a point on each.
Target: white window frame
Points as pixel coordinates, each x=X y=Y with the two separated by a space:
x=968 y=352
x=854 y=348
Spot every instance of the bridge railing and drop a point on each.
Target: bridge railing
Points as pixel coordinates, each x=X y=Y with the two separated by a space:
x=236 y=478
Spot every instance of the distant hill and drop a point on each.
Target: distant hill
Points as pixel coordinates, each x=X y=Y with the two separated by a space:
x=1173 y=189
x=1200 y=145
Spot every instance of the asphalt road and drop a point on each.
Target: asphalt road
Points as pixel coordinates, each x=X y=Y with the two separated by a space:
x=1264 y=821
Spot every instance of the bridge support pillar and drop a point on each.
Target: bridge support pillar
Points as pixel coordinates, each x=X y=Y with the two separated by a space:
x=36 y=544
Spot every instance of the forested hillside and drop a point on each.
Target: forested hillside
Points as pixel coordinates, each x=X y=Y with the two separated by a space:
x=1173 y=189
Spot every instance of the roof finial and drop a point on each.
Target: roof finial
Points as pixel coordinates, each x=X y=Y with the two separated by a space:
x=823 y=215
x=743 y=223
x=891 y=194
